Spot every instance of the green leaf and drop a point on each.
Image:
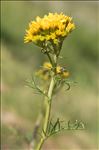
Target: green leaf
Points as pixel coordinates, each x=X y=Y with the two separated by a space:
x=32 y=84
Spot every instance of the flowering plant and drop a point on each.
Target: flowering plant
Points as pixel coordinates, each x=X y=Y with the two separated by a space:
x=49 y=33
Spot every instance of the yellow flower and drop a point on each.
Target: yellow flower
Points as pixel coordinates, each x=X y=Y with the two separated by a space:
x=44 y=73
x=47 y=65
x=62 y=71
x=65 y=74
x=51 y=27
x=58 y=69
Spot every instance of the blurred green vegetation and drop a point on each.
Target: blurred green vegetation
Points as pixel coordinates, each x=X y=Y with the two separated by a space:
x=20 y=106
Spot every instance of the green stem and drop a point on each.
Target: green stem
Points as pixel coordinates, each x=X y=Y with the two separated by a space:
x=49 y=58
x=47 y=113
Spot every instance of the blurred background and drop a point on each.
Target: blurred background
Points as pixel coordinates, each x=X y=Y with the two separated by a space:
x=20 y=106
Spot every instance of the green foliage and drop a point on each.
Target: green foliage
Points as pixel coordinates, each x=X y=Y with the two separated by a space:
x=61 y=125
x=37 y=90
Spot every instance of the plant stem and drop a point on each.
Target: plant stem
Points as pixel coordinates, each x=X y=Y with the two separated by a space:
x=49 y=58
x=36 y=128
x=47 y=113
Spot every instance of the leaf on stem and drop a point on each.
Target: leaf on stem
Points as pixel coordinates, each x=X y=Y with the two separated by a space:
x=55 y=127
x=32 y=84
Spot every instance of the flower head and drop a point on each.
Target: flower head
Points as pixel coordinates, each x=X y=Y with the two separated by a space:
x=47 y=66
x=51 y=28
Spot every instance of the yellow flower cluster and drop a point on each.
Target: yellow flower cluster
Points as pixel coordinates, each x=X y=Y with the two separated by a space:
x=44 y=73
x=51 y=27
